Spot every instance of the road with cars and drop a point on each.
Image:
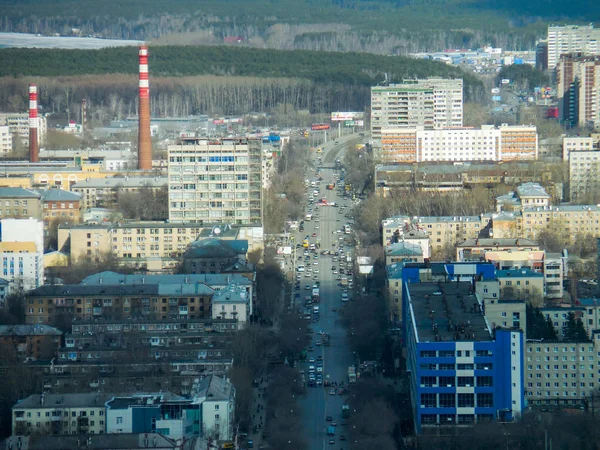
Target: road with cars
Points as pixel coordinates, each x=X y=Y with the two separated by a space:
x=322 y=405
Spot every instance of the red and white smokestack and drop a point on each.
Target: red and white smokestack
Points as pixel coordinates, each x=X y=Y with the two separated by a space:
x=33 y=124
x=144 y=140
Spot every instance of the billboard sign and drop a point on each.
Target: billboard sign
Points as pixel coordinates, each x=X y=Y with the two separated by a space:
x=320 y=127
x=344 y=116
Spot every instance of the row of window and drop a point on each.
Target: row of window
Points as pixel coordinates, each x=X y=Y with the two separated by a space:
x=482 y=381
x=484 y=400
x=479 y=366
x=452 y=353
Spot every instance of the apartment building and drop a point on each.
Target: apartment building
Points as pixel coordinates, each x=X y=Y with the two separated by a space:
x=60 y=414
x=560 y=373
x=430 y=103
x=214 y=182
x=571 y=39
x=505 y=143
x=30 y=341
x=577 y=143
x=6 y=141
x=460 y=374
x=18 y=124
x=158 y=246
x=584 y=173
x=522 y=284
x=104 y=192
x=20 y=203
x=578 y=83
x=22 y=253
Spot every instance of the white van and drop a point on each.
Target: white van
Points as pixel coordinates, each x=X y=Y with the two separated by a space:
x=300 y=268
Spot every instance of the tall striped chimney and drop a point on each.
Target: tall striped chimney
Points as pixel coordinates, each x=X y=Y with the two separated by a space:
x=33 y=124
x=144 y=140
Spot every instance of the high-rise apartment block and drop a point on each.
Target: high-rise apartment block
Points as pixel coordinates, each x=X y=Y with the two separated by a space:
x=578 y=81
x=18 y=124
x=506 y=143
x=432 y=103
x=571 y=39
x=6 y=142
x=214 y=182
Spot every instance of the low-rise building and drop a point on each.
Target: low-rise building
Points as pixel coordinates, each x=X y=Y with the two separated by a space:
x=60 y=414
x=477 y=249
x=213 y=255
x=60 y=205
x=132 y=441
x=403 y=251
x=104 y=192
x=232 y=302
x=30 y=341
x=20 y=203
x=155 y=246
x=521 y=284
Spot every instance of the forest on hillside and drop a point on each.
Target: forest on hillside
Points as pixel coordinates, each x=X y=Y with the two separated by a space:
x=207 y=80
x=378 y=26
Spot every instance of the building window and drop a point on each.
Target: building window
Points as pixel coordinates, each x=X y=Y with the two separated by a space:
x=428 y=400
x=466 y=400
x=447 y=401
x=485 y=400
x=119 y=420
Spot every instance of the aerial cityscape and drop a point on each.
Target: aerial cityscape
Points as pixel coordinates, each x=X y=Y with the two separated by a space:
x=310 y=225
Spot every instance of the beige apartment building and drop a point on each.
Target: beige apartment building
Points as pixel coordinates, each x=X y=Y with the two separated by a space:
x=562 y=372
x=18 y=124
x=60 y=414
x=158 y=246
x=20 y=203
x=216 y=181
x=578 y=81
x=6 y=142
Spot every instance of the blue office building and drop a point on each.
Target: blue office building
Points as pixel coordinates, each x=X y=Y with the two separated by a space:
x=461 y=373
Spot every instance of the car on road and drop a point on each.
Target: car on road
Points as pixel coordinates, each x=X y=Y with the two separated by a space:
x=307 y=287
x=331 y=442
x=311 y=349
x=342 y=437
x=332 y=392
x=328 y=419
x=344 y=297
x=311 y=360
x=334 y=424
x=318 y=343
x=314 y=235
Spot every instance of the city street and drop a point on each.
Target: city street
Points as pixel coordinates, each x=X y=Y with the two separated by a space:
x=318 y=403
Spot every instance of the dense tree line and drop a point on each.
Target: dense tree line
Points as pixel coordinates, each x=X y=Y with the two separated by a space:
x=213 y=80
x=354 y=23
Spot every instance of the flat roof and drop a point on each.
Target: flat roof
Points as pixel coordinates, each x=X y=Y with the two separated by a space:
x=451 y=307
x=518 y=273
x=500 y=242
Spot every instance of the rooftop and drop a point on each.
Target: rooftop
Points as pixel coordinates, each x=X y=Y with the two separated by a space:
x=113 y=441
x=216 y=248
x=447 y=312
x=58 y=195
x=403 y=248
x=532 y=190
x=126 y=182
x=29 y=330
x=10 y=192
x=518 y=273
x=231 y=294
x=114 y=278
x=145 y=399
x=504 y=242
x=82 y=400
x=215 y=388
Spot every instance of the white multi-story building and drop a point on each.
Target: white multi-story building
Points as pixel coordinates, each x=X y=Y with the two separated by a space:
x=217 y=396
x=18 y=124
x=576 y=143
x=571 y=39
x=214 y=182
x=22 y=253
x=506 y=143
x=432 y=103
x=5 y=140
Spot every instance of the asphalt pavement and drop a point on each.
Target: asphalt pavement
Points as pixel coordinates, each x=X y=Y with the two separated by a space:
x=318 y=403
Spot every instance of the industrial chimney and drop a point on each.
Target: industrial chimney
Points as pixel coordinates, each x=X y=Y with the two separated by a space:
x=144 y=141
x=33 y=124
